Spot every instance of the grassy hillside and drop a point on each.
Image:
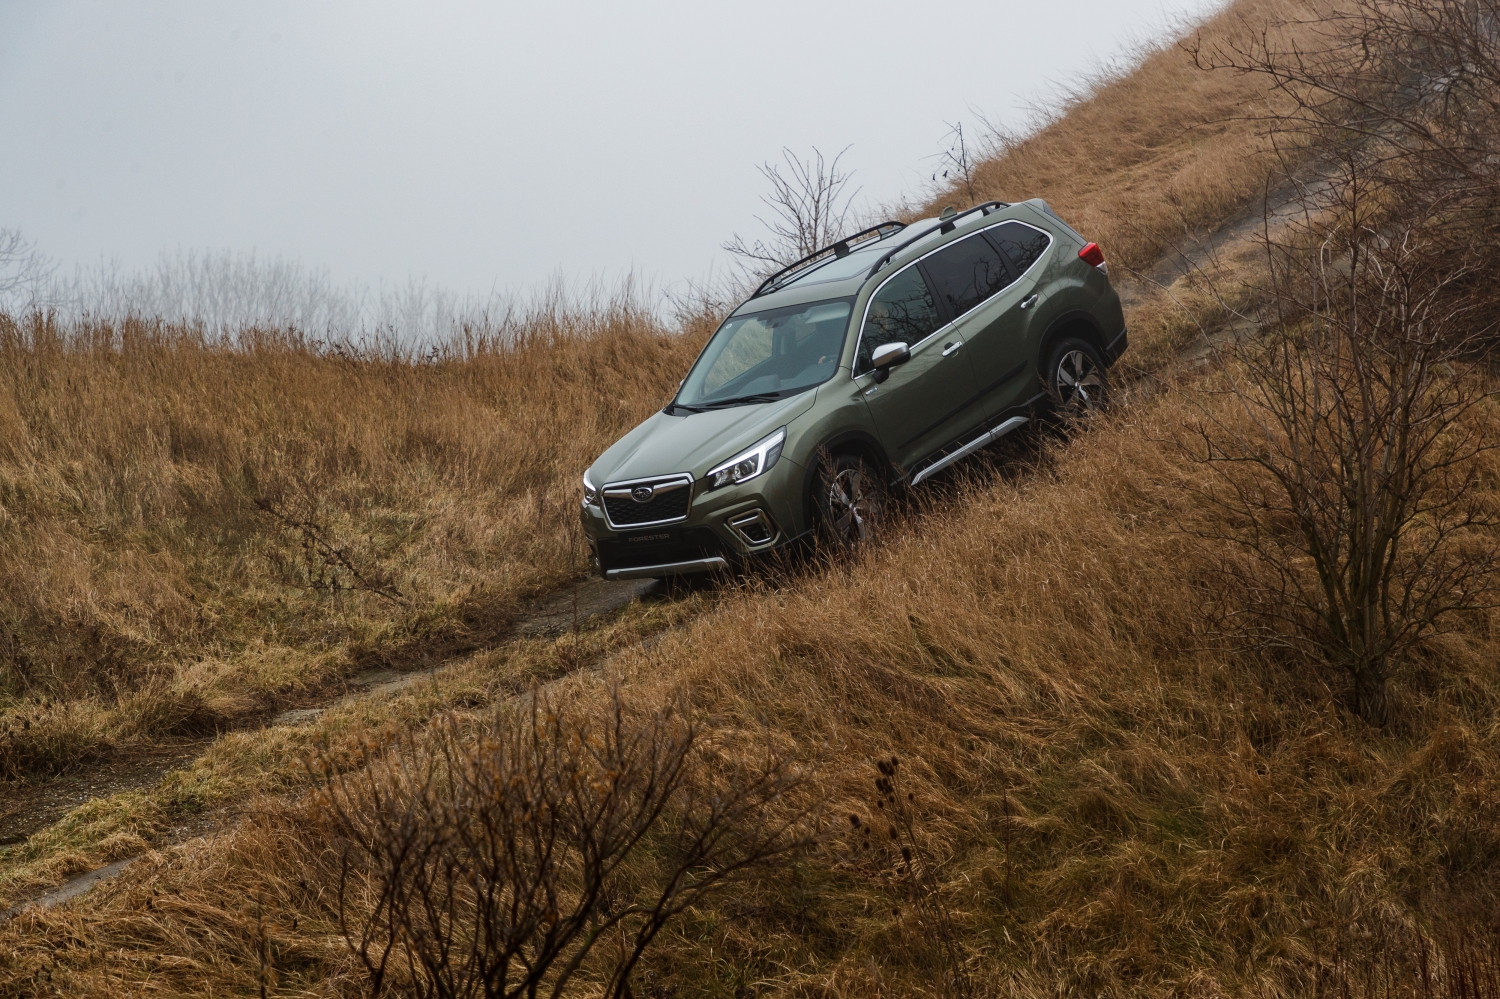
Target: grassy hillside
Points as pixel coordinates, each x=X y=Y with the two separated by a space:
x=192 y=533
x=1106 y=795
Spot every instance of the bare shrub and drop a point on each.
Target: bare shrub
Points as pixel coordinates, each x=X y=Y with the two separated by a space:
x=809 y=210
x=1348 y=461
x=23 y=269
x=957 y=161
x=1405 y=92
x=1352 y=466
x=502 y=863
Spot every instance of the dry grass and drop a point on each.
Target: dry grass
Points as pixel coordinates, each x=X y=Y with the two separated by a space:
x=1109 y=800
x=168 y=506
x=191 y=532
x=1153 y=163
x=238 y=767
x=1106 y=798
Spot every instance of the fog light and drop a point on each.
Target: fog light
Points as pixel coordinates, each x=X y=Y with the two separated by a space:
x=755 y=528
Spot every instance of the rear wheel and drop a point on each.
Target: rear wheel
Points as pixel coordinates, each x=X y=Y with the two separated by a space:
x=1076 y=378
x=850 y=500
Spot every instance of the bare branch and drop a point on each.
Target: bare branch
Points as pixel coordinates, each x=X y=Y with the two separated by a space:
x=23 y=269
x=494 y=863
x=809 y=210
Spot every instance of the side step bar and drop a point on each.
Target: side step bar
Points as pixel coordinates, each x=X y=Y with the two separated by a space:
x=970 y=448
x=669 y=569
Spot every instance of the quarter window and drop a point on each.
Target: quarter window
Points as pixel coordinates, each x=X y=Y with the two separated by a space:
x=966 y=273
x=902 y=311
x=1021 y=243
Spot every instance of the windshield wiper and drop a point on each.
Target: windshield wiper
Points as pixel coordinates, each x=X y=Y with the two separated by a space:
x=740 y=400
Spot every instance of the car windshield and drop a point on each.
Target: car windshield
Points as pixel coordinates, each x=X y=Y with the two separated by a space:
x=767 y=355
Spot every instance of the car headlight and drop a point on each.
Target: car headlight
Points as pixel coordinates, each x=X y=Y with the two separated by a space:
x=753 y=461
x=590 y=493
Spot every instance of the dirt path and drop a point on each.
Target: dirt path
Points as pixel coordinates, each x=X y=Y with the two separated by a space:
x=34 y=809
x=23 y=815
x=559 y=613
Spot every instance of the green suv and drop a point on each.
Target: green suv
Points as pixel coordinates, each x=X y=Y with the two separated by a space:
x=869 y=365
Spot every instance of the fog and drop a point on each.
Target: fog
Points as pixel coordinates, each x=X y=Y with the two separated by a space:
x=491 y=147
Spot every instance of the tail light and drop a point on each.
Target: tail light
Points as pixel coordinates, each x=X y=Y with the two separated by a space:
x=1094 y=257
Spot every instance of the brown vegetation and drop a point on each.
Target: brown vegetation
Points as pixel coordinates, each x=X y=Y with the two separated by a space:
x=1350 y=480
x=192 y=532
x=544 y=847
x=1079 y=785
x=1108 y=802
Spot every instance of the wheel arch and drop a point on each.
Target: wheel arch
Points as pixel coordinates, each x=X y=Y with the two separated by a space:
x=1077 y=323
x=849 y=442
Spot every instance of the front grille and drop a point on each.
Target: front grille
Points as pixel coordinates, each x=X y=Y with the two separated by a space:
x=669 y=501
x=659 y=548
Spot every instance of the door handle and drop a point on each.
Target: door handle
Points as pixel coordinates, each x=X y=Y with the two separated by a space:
x=949 y=348
x=1029 y=301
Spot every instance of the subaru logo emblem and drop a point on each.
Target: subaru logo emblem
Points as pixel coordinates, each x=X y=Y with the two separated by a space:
x=642 y=494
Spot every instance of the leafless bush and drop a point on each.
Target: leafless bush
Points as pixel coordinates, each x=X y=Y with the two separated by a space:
x=1413 y=79
x=1350 y=468
x=1348 y=462
x=809 y=207
x=506 y=862
x=957 y=162
x=23 y=269
x=1406 y=92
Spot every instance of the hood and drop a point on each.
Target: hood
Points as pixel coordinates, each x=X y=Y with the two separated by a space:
x=695 y=442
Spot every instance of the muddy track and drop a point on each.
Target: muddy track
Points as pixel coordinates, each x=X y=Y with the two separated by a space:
x=23 y=815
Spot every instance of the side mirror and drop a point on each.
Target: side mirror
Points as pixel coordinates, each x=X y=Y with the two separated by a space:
x=887 y=356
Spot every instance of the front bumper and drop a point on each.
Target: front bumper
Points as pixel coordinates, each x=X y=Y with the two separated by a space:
x=716 y=564
x=723 y=528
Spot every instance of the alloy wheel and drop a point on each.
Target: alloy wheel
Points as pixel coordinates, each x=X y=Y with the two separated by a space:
x=853 y=507
x=1080 y=383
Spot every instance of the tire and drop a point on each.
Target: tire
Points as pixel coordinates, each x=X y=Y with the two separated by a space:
x=1076 y=378
x=849 y=496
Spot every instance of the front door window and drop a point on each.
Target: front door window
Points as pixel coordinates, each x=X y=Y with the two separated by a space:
x=902 y=311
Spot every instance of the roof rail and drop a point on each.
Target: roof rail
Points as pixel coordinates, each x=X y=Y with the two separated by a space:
x=948 y=223
x=839 y=249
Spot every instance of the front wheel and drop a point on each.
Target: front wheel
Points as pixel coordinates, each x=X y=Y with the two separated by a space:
x=1076 y=379
x=850 y=501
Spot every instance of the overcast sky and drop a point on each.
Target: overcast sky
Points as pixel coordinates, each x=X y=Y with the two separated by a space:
x=493 y=145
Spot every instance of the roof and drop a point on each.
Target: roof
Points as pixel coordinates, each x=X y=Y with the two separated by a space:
x=843 y=276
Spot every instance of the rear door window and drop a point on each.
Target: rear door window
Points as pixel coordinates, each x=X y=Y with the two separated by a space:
x=902 y=311
x=1023 y=244
x=966 y=273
